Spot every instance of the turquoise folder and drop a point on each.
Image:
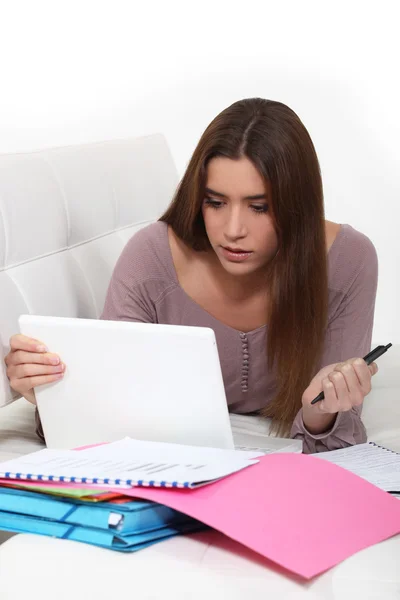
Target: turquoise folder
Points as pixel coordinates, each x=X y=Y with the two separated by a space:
x=131 y=517
x=97 y=537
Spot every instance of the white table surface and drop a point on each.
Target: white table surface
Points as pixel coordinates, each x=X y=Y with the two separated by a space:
x=204 y=565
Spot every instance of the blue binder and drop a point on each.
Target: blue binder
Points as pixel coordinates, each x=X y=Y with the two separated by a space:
x=130 y=517
x=97 y=537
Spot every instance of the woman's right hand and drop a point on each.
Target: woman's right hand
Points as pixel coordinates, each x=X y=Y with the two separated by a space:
x=29 y=364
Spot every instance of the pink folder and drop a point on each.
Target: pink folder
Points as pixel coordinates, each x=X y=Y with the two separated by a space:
x=299 y=511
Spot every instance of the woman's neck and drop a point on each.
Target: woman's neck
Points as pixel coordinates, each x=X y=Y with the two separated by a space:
x=237 y=288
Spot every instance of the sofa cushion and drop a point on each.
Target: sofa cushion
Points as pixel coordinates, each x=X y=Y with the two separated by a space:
x=17 y=430
x=65 y=216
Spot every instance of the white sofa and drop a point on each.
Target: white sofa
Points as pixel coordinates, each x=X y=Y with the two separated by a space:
x=65 y=215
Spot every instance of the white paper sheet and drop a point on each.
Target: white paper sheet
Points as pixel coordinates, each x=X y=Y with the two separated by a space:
x=132 y=461
x=377 y=465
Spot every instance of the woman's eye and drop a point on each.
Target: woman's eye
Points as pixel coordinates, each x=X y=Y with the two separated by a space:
x=259 y=208
x=213 y=203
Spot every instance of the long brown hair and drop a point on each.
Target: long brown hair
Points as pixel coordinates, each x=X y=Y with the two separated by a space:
x=272 y=136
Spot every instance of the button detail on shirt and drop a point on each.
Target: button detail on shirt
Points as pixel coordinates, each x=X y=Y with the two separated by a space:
x=245 y=362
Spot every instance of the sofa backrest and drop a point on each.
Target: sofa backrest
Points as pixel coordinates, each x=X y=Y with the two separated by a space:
x=65 y=216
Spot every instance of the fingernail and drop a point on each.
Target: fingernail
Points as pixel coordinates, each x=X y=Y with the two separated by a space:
x=42 y=348
x=54 y=361
x=59 y=375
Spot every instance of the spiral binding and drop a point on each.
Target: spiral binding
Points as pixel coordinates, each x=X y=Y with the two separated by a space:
x=97 y=480
x=384 y=448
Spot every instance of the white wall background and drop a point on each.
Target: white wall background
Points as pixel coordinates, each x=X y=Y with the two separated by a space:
x=81 y=71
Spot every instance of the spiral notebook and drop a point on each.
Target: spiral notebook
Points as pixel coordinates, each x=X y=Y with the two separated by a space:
x=376 y=464
x=130 y=463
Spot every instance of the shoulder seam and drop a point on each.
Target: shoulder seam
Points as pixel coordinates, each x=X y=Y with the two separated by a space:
x=357 y=268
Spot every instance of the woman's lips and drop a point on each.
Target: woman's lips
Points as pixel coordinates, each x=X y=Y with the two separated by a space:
x=235 y=255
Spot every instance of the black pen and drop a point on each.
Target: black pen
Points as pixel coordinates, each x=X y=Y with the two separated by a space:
x=369 y=358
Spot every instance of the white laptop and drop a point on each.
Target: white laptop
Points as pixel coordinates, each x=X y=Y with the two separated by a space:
x=146 y=381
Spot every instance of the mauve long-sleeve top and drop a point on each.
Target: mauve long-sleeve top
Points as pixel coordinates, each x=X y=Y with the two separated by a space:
x=145 y=288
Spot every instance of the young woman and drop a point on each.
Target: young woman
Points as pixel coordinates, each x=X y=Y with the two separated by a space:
x=244 y=249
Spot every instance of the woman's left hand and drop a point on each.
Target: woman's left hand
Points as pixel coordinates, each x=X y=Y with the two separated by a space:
x=345 y=386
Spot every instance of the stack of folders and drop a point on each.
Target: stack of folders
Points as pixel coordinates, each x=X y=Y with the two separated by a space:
x=113 y=522
x=79 y=495
x=129 y=494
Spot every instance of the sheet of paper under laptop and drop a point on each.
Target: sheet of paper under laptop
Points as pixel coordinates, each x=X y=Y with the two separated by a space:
x=252 y=433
